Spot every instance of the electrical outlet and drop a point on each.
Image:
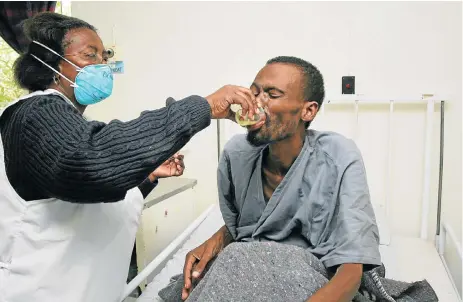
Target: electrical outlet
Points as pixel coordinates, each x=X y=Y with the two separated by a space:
x=348 y=85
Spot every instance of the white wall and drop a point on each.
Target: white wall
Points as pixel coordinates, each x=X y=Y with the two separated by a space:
x=393 y=48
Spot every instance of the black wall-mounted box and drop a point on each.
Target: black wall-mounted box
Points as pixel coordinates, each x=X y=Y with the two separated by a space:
x=348 y=85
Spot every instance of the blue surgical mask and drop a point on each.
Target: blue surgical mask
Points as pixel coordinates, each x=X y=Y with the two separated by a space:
x=93 y=83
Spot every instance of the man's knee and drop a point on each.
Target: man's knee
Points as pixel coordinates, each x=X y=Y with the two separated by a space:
x=235 y=250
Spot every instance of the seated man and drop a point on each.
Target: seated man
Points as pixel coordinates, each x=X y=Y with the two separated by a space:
x=299 y=223
x=286 y=184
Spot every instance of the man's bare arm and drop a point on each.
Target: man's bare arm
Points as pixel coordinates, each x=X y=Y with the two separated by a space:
x=217 y=243
x=227 y=236
x=342 y=287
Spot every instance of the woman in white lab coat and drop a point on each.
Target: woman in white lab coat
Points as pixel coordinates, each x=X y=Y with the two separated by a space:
x=69 y=201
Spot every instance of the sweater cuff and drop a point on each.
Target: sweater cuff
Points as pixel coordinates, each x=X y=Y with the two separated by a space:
x=147 y=186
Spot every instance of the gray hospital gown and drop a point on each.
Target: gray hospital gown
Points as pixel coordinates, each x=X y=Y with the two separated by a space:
x=323 y=203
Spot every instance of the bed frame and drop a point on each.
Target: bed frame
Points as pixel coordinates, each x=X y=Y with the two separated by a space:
x=443 y=230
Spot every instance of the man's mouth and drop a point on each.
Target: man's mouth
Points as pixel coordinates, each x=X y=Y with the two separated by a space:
x=259 y=124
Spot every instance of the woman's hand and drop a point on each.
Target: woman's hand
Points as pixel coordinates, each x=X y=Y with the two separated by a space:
x=174 y=166
x=221 y=100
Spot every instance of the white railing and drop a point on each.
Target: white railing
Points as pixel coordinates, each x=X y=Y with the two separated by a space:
x=430 y=101
x=443 y=231
x=164 y=255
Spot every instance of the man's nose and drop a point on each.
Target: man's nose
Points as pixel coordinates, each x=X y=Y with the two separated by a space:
x=262 y=99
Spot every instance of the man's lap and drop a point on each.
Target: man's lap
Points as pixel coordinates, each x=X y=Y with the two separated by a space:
x=256 y=272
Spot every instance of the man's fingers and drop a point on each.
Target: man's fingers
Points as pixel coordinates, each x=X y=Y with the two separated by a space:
x=189 y=261
x=199 y=268
x=185 y=294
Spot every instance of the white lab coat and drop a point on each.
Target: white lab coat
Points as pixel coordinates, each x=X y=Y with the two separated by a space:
x=57 y=251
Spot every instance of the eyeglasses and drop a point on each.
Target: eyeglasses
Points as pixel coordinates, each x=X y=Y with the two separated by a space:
x=93 y=56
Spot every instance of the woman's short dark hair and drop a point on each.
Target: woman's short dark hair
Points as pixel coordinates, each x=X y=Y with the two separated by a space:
x=49 y=29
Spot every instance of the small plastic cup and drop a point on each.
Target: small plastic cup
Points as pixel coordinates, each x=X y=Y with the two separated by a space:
x=245 y=120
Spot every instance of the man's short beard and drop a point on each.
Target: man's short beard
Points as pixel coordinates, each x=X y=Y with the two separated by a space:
x=270 y=133
x=257 y=139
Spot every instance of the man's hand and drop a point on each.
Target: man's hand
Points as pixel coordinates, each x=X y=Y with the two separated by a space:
x=221 y=100
x=197 y=259
x=342 y=287
x=174 y=166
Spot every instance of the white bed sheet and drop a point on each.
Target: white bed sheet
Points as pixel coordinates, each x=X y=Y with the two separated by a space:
x=435 y=273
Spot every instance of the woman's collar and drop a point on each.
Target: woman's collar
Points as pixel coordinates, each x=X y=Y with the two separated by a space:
x=51 y=90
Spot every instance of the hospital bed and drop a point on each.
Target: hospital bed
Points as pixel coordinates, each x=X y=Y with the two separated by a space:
x=405 y=258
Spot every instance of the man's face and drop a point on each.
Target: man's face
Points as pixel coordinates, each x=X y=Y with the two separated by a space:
x=280 y=89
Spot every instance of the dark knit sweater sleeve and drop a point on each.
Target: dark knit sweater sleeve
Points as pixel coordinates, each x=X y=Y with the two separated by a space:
x=147 y=186
x=64 y=156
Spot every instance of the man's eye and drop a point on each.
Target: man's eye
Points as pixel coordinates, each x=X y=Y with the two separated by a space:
x=273 y=96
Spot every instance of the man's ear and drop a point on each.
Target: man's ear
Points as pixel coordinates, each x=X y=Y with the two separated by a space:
x=309 y=111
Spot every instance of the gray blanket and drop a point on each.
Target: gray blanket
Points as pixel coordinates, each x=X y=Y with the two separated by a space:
x=258 y=271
